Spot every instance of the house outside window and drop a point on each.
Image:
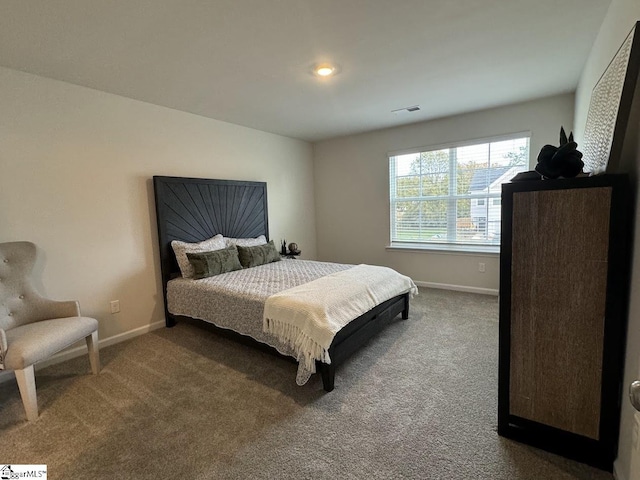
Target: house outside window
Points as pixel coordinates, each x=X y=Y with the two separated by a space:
x=450 y=195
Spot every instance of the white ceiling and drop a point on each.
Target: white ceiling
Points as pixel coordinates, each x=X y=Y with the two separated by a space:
x=249 y=61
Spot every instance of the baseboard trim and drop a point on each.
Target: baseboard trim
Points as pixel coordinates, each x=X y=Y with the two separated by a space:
x=459 y=288
x=82 y=350
x=121 y=337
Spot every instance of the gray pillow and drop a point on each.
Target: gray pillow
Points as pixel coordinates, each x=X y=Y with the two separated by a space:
x=208 y=264
x=246 y=242
x=258 y=255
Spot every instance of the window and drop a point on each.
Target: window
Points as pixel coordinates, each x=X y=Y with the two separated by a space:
x=451 y=195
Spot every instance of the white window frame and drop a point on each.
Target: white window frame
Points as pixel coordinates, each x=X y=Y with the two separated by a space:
x=452 y=198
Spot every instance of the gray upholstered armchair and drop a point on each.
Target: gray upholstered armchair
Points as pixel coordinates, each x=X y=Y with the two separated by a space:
x=32 y=327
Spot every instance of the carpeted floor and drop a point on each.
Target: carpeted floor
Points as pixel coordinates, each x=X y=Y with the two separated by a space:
x=420 y=402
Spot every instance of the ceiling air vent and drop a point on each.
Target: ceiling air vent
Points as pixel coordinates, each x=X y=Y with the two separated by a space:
x=413 y=108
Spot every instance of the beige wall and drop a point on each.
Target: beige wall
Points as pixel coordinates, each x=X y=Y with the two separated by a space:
x=75 y=178
x=620 y=19
x=351 y=176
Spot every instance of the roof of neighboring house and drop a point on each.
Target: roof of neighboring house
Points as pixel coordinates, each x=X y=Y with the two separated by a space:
x=484 y=177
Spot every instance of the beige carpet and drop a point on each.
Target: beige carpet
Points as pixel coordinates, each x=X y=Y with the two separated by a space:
x=419 y=401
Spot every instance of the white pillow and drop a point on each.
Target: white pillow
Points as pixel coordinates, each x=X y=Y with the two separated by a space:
x=182 y=248
x=246 y=242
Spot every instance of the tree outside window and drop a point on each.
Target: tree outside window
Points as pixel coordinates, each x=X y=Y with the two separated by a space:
x=448 y=195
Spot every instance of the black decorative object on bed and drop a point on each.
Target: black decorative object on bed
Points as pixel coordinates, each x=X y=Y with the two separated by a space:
x=193 y=210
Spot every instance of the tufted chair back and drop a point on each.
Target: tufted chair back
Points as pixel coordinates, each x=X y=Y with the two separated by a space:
x=20 y=303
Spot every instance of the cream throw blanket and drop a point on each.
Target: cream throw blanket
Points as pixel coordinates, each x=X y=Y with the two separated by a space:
x=307 y=317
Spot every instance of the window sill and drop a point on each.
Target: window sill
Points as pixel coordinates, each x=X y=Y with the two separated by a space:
x=488 y=250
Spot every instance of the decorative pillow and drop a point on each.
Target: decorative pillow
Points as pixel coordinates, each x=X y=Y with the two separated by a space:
x=246 y=242
x=208 y=264
x=258 y=255
x=182 y=248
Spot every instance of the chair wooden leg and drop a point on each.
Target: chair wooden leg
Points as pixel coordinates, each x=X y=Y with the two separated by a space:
x=27 y=384
x=94 y=352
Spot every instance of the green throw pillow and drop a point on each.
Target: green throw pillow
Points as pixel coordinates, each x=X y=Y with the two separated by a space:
x=208 y=264
x=258 y=255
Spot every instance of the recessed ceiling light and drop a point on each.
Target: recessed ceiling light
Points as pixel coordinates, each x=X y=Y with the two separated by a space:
x=325 y=70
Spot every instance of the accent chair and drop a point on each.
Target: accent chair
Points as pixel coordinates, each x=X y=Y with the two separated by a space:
x=33 y=328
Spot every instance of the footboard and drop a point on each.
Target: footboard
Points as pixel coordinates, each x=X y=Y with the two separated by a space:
x=358 y=332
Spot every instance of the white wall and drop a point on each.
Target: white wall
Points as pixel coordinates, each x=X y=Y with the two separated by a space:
x=351 y=176
x=75 y=178
x=620 y=19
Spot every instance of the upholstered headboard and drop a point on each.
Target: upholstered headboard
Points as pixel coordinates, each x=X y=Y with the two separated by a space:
x=195 y=209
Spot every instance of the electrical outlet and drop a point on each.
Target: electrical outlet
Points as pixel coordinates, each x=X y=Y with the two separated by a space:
x=115 y=306
x=481 y=267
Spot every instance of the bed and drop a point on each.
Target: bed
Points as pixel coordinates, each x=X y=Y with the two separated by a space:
x=192 y=210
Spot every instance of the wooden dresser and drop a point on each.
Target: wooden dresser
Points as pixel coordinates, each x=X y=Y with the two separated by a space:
x=564 y=269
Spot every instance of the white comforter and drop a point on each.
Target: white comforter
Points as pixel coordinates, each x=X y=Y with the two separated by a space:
x=307 y=317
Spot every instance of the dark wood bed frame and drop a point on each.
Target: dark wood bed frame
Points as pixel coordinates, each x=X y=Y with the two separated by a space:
x=195 y=209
